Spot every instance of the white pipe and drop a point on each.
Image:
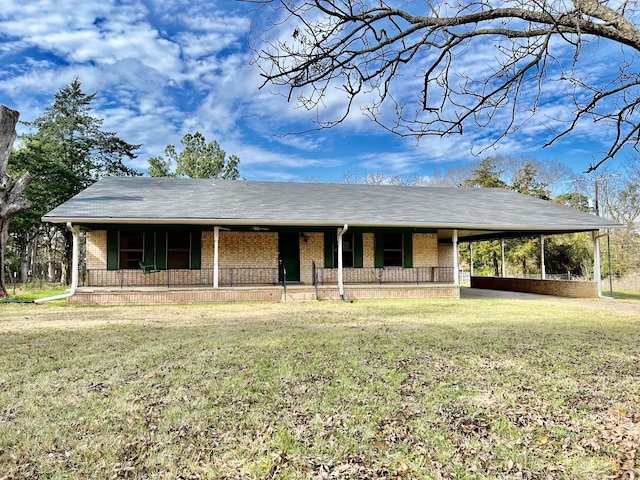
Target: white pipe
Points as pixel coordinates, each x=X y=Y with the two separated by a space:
x=216 y=238
x=543 y=268
x=456 y=271
x=341 y=232
x=75 y=267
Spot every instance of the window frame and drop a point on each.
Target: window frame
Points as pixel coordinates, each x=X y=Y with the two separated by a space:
x=132 y=261
x=179 y=250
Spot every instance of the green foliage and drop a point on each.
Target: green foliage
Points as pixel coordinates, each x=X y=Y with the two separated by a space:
x=68 y=135
x=485 y=175
x=198 y=159
x=159 y=167
x=525 y=181
x=66 y=150
x=575 y=200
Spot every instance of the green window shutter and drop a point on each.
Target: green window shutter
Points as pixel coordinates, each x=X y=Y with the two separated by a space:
x=379 y=251
x=112 y=250
x=196 y=250
x=161 y=250
x=357 y=250
x=407 y=250
x=149 y=248
x=330 y=240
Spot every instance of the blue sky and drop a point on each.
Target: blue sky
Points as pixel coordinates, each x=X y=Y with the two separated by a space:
x=165 y=68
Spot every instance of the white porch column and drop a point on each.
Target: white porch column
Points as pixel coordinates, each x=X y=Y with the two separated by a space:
x=596 y=261
x=216 y=237
x=503 y=266
x=471 y=259
x=341 y=232
x=456 y=271
x=75 y=257
x=543 y=269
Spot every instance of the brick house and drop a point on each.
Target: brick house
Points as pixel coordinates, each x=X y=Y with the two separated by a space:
x=149 y=238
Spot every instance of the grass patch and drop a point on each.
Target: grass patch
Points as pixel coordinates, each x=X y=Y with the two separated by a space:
x=623 y=295
x=31 y=291
x=411 y=389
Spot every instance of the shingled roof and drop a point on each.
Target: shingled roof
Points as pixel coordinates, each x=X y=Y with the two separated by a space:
x=476 y=212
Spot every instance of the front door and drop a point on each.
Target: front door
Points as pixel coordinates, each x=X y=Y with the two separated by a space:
x=289 y=256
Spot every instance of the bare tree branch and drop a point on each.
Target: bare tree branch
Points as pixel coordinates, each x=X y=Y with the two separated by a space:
x=364 y=48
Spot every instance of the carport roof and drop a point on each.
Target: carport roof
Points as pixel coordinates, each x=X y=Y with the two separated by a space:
x=475 y=213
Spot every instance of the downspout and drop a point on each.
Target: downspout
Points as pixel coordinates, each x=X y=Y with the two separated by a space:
x=341 y=232
x=75 y=262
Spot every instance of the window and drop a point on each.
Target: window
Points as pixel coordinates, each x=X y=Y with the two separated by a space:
x=347 y=251
x=178 y=250
x=392 y=247
x=131 y=249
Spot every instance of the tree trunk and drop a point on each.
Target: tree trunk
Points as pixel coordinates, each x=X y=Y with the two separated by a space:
x=11 y=200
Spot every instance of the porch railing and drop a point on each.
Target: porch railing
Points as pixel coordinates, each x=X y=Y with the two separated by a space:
x=227 y=277
x=415 y=275
x=231 y=277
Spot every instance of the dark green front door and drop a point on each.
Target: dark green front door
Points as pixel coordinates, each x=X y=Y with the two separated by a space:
x=289 y=256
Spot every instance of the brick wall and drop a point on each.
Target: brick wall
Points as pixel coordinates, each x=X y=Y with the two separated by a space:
x=97 y=249
x=445 y=254
x=425 y=249
x=558 y=288
x=368 y=250
x=246 y=249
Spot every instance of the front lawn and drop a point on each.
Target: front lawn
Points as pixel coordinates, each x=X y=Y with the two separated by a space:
x=402 y=389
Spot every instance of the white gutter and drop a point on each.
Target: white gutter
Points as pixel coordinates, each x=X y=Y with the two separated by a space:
x=75 y=261
x=306 y=223
x=341 y=232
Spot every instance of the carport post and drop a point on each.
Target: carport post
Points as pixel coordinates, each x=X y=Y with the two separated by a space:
x=75 y=256
x=596 y=261
x=471 y=259
x=216 y=237
x=456 y=272
x=543 y=270
x=503 y=266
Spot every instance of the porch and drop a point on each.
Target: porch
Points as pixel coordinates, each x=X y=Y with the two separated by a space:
x=149 y=295
x=132 y=287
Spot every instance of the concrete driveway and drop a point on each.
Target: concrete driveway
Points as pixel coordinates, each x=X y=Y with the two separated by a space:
x=468 y=292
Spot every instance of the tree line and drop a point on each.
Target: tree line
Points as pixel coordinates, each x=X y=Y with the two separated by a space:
x=64 y=151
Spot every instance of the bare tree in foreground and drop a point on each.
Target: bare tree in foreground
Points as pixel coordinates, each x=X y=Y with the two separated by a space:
x=440 y=68
x=11 y=200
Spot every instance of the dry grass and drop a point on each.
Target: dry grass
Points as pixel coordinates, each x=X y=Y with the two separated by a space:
x=420 y=389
